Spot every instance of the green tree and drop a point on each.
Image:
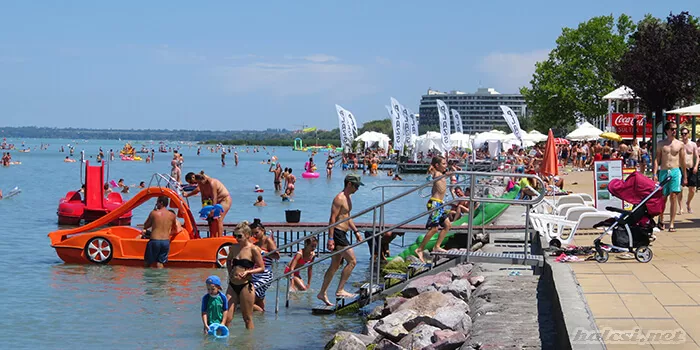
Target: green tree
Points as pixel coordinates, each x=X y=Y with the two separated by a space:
x=662 y=65
x=578 y=72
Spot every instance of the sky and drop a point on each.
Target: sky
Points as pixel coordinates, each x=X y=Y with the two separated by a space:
x=242 y=65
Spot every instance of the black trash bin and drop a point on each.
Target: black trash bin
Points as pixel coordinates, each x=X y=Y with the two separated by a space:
x=293 y=216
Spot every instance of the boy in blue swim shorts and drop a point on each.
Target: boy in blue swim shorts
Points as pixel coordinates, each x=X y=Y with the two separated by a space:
x=438 y=218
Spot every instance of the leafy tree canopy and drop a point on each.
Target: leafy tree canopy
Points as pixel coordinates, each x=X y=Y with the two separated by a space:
x=662 y=65
x=578 y=72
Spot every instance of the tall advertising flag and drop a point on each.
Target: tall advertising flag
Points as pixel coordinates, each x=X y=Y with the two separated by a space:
x=353 y=125
x=343 y=126
x=397 y=123
x=408 y=135
x=457 y=120
x=513 y=122
x=414 y=123
x=444 y=125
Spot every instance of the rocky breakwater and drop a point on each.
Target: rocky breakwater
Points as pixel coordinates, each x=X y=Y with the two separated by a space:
x=430 y=313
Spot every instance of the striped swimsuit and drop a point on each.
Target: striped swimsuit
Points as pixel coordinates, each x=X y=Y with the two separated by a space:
x=261 y=281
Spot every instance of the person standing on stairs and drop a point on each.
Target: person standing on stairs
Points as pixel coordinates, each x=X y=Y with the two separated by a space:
x=338 y=240
x=438 y=218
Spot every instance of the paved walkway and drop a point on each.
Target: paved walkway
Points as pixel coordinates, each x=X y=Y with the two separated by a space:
x=663 y=294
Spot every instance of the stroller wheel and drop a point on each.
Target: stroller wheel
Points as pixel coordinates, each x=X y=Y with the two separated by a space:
x=602 y=257
x=555 y=243
x=643 y=254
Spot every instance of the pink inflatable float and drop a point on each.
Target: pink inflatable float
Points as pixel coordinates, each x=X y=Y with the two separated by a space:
x=308 y=175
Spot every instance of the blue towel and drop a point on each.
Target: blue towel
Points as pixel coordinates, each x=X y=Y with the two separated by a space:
x=216 y=211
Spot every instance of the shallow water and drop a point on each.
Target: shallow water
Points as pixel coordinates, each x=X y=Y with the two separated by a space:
x=83 y=306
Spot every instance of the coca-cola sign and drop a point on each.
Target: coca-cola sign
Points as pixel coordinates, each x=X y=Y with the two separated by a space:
x=627 y=119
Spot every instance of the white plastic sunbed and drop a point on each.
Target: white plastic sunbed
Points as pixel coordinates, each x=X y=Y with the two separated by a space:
x=560 y=230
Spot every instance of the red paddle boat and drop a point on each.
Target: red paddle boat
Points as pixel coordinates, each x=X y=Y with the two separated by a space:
x=92 y=205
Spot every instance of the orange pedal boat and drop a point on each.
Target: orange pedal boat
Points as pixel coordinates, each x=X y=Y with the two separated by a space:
x=122 y=245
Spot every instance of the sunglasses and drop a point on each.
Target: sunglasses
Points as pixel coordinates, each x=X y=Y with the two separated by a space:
x=684 y=133
x=673 y=129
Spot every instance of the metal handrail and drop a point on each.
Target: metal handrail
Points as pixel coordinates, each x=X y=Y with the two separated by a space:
x=375 y=234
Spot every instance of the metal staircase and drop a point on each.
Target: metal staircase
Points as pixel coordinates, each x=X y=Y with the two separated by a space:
x=379 y=286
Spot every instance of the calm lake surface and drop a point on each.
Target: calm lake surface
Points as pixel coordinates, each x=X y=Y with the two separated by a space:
x=47 y=304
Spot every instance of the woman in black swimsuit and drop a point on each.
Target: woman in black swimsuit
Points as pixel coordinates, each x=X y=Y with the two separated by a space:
x=243 y=260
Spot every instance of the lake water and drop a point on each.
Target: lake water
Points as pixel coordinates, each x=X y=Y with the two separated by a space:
x=47 y=304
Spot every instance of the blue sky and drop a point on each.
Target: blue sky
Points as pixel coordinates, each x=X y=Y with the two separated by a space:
x=253 y=65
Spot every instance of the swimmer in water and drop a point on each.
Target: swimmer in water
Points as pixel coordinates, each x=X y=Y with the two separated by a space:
x=69 y=160
x=212 y=190
x=329 y=166
x=302 y=257
x=107 y=189
x=260 y=202
x=291 y=180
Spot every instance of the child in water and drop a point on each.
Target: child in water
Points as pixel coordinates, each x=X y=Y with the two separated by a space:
x=286 y=196
x=214 y=303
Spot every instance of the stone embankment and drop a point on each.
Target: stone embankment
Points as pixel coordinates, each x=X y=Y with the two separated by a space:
x=430 y=313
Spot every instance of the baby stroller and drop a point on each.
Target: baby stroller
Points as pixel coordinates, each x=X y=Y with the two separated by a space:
x=632 y=229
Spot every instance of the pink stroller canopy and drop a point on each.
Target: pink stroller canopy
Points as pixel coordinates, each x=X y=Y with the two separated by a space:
x=635 y=188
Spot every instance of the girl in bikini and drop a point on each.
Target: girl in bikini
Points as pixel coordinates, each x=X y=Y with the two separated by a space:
x=301 y=258
x=243 y=261
x=213 y=192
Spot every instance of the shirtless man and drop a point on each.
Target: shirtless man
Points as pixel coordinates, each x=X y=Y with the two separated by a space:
x=278 y=177
x=671 y=155
x=691 y=169
x=235 y=158
x=175 y=171
x=438 y=218
x=213 y=192
x=338 y=239
x=162 y=223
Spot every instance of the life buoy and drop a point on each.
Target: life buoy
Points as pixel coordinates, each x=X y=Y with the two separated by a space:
x=259 y=191
x=308 y=175
x=218 y=330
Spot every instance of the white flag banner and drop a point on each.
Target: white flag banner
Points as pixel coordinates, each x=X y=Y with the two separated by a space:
x=414 y=123
x=444 y=125
x=344 y=126
x=408 y=135
x=457 y=120
x=353 y=125
x=513 y=122
x=397 y=123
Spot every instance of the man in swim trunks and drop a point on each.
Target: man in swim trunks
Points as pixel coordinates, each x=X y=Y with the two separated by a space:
x=278 y=176
x=438 y=218
x=338 y=239
x=214 y=192
x=671 y=155
x=161 y=223
x=691 y=169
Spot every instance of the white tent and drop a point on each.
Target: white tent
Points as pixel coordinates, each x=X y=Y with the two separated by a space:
x=621 y=93
x=537 y=136
x=370 y=138
x=493 y=135
x=585 y=132
x=460 y=140
x=690 y=110
x=429 y=141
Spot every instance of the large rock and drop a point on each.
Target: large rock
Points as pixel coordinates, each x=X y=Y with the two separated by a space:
x=386 y=344
x=453 y=317
x=461 y=288
x=435 y=309
x=420 y=337
x=461 y=271
x=393 y=303
x=392 y=326
x=349 y=341
x=426 y=284
x=377 y=313
x=368 y=329
x=476 y=280
x=447 y=342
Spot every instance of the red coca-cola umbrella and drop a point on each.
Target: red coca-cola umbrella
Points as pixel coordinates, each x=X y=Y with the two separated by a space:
x=561 y=141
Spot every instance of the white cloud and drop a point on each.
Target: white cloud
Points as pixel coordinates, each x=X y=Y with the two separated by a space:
x=293 y=79
x=510 y=71
x=316 y=58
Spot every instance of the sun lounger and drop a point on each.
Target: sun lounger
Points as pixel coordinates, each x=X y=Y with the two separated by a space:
x=560 y=230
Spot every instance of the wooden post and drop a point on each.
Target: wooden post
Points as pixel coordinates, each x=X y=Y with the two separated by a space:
x=693 y=126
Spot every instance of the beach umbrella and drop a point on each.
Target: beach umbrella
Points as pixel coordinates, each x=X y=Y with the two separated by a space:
x=460 y=140
x=611 y=136
x=537 y=136
x=690 y=110
x=585 y=132
x=549 y=163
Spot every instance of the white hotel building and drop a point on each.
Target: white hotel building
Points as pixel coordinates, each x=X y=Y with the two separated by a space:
x=480 y=111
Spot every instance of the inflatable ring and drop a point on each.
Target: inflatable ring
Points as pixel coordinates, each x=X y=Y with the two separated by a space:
x=308 y=175
x=218 y=330
x=259 y=191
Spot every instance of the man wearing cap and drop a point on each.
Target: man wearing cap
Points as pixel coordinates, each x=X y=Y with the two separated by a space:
x=338 y=239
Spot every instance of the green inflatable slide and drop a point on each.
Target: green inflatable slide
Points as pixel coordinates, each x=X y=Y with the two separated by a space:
x=484 y=214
